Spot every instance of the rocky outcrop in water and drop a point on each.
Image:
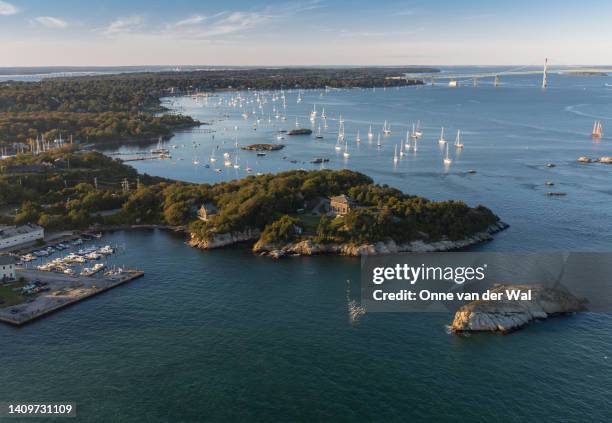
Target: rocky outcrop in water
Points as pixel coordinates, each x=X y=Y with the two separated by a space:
x=603 y=160
x=309 y=247
x=506 y=315
x=263 y=147
x=225 y=239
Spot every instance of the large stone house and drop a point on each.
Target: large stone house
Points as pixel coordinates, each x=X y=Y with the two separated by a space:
x=341 y=204
x=207 y=211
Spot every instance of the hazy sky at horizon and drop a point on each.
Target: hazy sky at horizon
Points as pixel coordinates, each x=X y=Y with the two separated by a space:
x=308 y=32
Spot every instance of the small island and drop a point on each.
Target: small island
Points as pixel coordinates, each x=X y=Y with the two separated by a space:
x=263 y=147
x=300 y=131
x=603 y=160
x=507 y=315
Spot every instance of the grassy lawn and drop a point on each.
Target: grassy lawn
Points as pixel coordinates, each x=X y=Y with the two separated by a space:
x=308 y=222
x=8 y=297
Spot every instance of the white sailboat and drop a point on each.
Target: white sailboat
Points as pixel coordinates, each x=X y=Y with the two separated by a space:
x=313 y=114
x=212 y=156
x=297 y=123
x=418 y=132
x=401 y=150
x=597 y=129
x=346 y=153
x=338 y=146
x=341 y=131
x=378 y=144
x=395 y=158
x=159 y=150
x=319 y=135
x=236 y=165
x=413 y=134
x=458 y=143
x=447 y=159
x=442 y=140
x=370 y=134
x=386 y=129
x=323 y=115
x=358 y=138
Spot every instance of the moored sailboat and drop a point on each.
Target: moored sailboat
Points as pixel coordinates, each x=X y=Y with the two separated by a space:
x=442 y=140
x=458 y=143
x=386 y=129
x=597 y=129
x=346 y=153
x=447 y=159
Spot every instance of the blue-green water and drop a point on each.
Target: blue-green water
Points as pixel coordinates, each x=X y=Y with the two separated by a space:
x=223 y=336
x=226 y=336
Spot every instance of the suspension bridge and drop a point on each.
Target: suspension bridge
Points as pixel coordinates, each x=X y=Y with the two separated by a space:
x=455 y=79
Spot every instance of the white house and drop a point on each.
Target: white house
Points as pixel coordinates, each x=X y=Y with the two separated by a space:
x=7 y=268
x=12 y=236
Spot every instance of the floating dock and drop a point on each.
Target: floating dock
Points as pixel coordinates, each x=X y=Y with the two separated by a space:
x=63 y=291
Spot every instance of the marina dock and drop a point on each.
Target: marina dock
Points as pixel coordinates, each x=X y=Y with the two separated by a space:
x=60 y=291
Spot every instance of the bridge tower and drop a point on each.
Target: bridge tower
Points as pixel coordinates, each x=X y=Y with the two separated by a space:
x=545 y=74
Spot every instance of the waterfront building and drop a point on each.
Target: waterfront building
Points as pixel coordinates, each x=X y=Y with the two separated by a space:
x=207 y=211
x=341 y=204
x=14 y=236
x=7 y=268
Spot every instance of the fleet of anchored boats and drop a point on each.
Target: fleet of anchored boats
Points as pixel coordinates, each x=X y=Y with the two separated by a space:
x=64 y=264
x=269 y=109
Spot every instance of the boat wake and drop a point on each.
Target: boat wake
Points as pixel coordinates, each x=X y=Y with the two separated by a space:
x=355 y=310
x=573 y=109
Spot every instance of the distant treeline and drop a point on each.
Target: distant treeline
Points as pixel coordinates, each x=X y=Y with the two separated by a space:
x=139 y=94
x=89 y=127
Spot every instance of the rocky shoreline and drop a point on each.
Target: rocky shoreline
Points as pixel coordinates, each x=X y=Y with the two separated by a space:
x=226 y=239
x=508 y=315
x=308 y=247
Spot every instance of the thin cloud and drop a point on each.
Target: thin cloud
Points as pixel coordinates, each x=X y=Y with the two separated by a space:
x=7 y=9
x=124 y=25
x=229 y=23
x=51 y=22
x=192 y=20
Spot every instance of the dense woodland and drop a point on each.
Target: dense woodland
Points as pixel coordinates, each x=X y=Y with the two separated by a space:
x=58 y=190
x=120 y=107
x=89 y=127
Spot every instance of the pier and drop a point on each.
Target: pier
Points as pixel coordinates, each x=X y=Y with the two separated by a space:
x=60 y=291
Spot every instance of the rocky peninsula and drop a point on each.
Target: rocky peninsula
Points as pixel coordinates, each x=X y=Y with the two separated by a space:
x=506 y=315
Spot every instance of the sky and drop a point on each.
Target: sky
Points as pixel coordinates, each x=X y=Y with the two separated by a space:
x=304 y=32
